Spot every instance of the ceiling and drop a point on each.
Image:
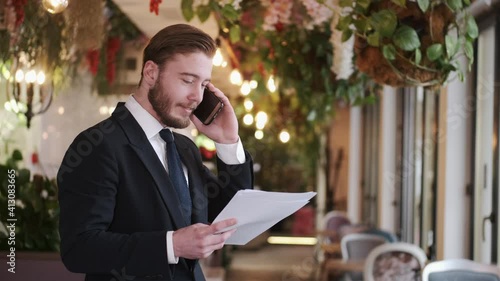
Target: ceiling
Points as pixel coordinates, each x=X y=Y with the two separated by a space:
x=170 y=13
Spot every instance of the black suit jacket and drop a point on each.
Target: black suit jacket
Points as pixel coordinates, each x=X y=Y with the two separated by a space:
x=117 y=202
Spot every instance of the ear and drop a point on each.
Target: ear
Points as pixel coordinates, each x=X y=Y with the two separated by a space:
x=150 y=73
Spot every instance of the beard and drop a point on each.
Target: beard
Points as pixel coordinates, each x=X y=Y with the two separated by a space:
x=162 y=105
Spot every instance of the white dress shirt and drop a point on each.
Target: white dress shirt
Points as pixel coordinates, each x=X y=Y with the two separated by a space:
x=231 y=154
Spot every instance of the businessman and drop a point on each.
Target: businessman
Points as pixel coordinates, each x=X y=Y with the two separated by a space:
x=136 y=202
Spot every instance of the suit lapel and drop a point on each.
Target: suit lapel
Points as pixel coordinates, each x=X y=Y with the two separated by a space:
x=140 y=144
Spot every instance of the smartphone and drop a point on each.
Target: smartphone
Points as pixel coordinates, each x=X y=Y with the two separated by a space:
x=209 y=107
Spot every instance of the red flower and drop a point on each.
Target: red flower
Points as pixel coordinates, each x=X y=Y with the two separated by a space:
x=153 y=6
x=279 y=26
x=93 y=61
x=112 y=49
x=34 y=158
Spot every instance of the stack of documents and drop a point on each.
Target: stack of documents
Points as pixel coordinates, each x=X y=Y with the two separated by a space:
x=256 y=211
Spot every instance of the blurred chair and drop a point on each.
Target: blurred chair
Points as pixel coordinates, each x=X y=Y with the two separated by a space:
x=460 y=270
x=394 y=261
x=332 y=223
x=389 y=236
x=356 y=247
x=328 y=246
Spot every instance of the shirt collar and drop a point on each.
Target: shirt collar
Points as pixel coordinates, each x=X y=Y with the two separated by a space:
x=148 y=123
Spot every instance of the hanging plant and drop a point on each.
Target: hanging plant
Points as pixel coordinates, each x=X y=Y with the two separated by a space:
x=409 y=43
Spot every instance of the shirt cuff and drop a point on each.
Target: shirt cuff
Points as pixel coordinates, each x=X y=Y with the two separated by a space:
x=231 y=154
x=172 y=259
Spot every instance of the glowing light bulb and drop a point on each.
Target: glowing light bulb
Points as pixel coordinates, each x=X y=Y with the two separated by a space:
x=40 y=78
x=260 y=120
x=271 y=85
x=55 y=6
x=19 y=76
x=248 y=104
x=235 y=77
x=248 y=119
x=218 y=59
x=284 y=136
x=30 y=76
x=245 y=88
x=259 y=134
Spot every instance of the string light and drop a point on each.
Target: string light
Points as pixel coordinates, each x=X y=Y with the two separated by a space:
x=284 y=136
x=260 y=120
x=259 y=134
x=248 y=119
x=245 y=88
x=218 y=59
x=235 y=77
x=271 y=85
x=248 y=104
x=55 y=6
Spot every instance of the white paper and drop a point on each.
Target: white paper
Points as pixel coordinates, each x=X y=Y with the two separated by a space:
x=256 y=211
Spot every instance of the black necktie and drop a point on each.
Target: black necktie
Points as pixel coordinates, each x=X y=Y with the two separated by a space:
x=176 y=174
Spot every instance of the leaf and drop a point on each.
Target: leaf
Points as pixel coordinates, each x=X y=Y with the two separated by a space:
x=203 y=12
x=344 y=23
x=461 y=76
x=467 y=2
x=187 y=9
x=234 y=33
x=389 y=52
x=434 y=52
x=17 y=155
x=373 y=39
x=361 y=25
x=423 y=5
x=401 y=3
x=385 y=22
x=345 y=3
x=406 y=38
x=346 y=34
x=469 y=50
x=455 y=5
x=229 y=12
x=363 y=3
x=451 y=45
x=418 y=56
x=472 y=29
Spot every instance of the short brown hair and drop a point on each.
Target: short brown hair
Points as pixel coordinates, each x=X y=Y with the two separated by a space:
x=177 y=39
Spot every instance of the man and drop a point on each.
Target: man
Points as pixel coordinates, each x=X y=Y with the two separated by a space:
x=122 y=218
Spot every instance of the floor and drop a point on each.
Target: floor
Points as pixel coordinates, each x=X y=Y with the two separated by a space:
x=272 y=263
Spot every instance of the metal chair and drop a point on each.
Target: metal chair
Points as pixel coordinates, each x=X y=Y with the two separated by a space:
x=460 y=270
x=332 y=222
x=394 y=261
x=356 y=247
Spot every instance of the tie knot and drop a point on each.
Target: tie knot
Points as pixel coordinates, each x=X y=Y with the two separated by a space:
x=167 y=135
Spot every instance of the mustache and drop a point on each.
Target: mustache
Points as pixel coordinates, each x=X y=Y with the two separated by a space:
x=192 y=105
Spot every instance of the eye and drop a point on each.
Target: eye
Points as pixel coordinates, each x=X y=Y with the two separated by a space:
x=188 y=81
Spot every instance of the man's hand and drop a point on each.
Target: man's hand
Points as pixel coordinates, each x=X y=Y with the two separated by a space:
x=224 y=128
x=200 y=240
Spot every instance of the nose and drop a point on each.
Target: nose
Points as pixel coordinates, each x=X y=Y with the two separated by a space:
x=196 y=95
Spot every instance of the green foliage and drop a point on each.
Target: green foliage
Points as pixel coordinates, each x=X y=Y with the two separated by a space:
x=299 y=59
x=401 y=40
x=36 y=209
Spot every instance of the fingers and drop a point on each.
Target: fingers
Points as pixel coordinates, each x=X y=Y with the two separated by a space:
x=200 y=240
x=219 y=94
x=221 y=226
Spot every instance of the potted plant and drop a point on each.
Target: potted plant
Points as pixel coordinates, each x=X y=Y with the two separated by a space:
x=409 y=43
x=32 y=203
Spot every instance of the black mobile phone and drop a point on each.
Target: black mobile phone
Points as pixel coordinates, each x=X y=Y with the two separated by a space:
x=209 y=107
